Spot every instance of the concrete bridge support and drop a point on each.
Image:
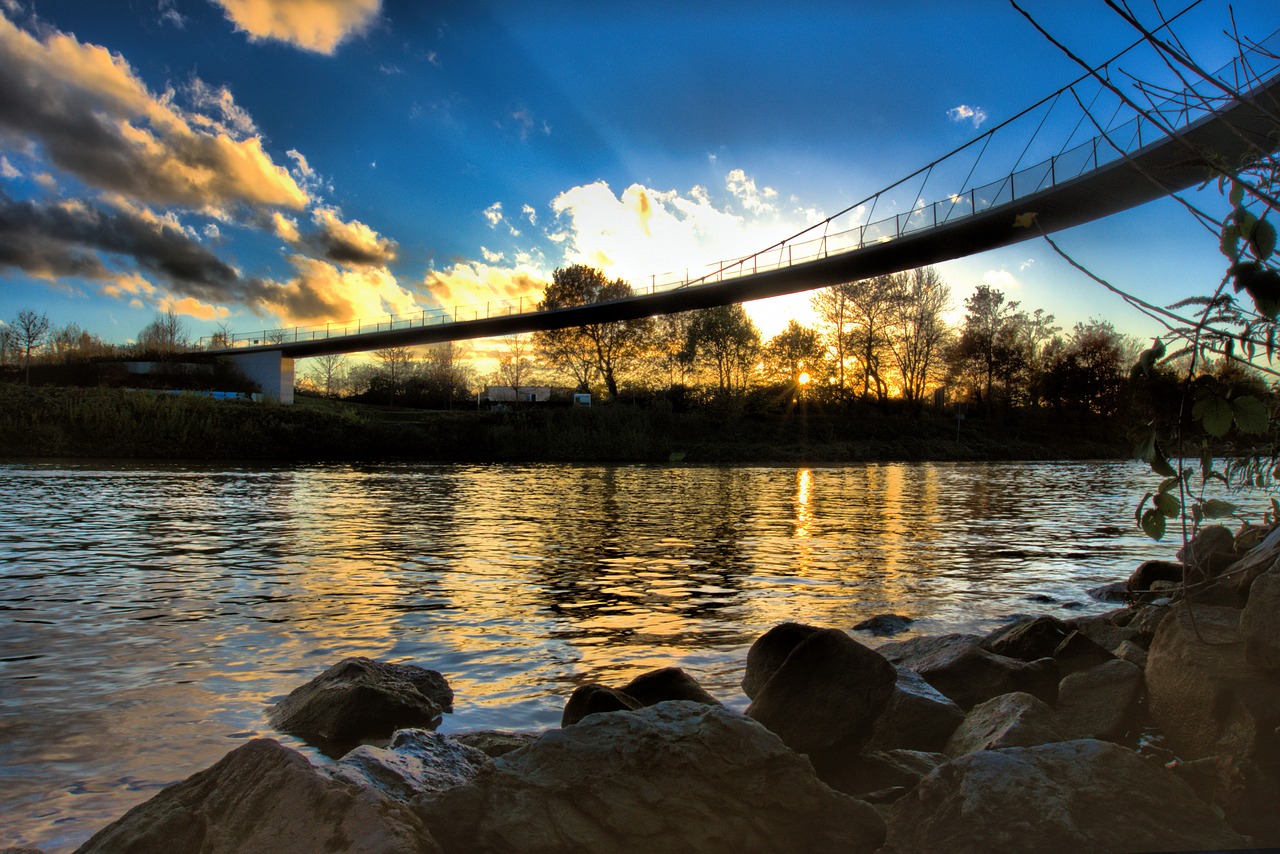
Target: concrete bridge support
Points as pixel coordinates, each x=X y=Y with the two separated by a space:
x=271 y=370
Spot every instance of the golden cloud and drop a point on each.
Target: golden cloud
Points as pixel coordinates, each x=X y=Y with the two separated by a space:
x=324 y=293
x=471 y=284
x=351 y=243
x=96 y=119
x=314 y=25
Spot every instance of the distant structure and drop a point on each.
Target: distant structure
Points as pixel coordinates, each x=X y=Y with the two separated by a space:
x=507 y=394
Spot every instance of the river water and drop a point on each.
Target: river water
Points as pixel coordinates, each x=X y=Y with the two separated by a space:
x=149 y=614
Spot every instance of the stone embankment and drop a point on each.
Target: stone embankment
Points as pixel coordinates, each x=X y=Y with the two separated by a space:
x=1149 y=728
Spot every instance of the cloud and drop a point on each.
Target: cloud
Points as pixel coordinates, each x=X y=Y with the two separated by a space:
x=493 y=214
x=1001 y=280
x=7 y=169
x=315 y=25
x=530 y=214
x=486 y=288
x=98 y=121
x=192 y=307
x=235 y=123
x=966 y=113
x=285 y=227
x=350 y=243
x=524 y=122
x=643 y=231
x=75 y=239
x=321 y=292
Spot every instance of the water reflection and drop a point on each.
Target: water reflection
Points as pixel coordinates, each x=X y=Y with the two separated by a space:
x=150 y=614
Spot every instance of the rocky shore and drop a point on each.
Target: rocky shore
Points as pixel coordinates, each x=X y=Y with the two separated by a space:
x=1152 y=727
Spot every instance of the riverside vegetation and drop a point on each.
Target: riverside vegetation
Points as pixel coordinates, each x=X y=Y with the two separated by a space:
x=114 y=423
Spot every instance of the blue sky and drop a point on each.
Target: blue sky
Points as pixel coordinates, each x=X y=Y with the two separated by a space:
x=256 y=163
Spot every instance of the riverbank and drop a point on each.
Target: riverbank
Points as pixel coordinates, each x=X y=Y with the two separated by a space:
x=115 y=423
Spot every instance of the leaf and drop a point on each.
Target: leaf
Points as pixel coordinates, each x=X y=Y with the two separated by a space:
x=1216 y=508
x=1230 y=245
x=1236 y=196
x=1168 y=504
x=1250 y=414
x=1145 y=450
x=1263 y=239
x=1153 y=524
x=1215 y=413
x=1161 y=466
x=1137 y=514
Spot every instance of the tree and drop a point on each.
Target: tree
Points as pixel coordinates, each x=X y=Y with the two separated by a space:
x=165 y=335
x=918 y=330
x=871 y=305
x=795 y=357
x=986 y=349
x=725 y=339
x=515 y=364
x=326 y=372
x=832 y=307
x=607 y=350
x=396 y=364
x=30 y=330
x=445 y=377
x=1088 y=371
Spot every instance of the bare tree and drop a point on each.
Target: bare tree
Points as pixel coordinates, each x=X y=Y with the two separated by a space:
x=516 y=367
x=833 y=309
x=30 y=331
x=166 y=334
x=396 y=364
x=919 y=331
x=327 y=373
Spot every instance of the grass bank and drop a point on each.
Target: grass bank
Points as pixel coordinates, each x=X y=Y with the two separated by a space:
x=114 y=423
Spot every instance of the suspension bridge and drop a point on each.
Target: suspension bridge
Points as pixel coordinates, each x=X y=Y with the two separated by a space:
x=1094 y=151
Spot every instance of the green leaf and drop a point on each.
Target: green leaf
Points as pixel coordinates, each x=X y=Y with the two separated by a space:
x=1153 y=524
x=1168 y=504
x=1169 y=483
x=1145 y=450
x=1215 y=413
x=1229 y=244
x=1263 y=239
x=1161 y=466
x=1216 y=508
x=1137 y=514
x=1236 y=196
x=1250 y=414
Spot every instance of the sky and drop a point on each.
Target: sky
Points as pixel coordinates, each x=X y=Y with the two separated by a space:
x=252 y=164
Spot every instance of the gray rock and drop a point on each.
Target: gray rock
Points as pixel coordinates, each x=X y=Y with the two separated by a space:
x=1203 y=694
x=1259 y=559
x=1144 y=621
x=1077 y=652
x=1151 y=571
x=826 y=695
x=668 y=683
x=918 y=716
x=416 y=762
x=494 y=743
x=1130 y=652
x=593 y=698
x=885 y=625
x=263 y=798
x=1116 y=591
x=1010 y=720
x=676 y=776
x=1102 y=630
x=1103 y=702
x=1260 y=623
x=360 y=698
x=878 y=771
x=961 y=669
x=1028 y=639
x=769 y=651
x=1074 y=796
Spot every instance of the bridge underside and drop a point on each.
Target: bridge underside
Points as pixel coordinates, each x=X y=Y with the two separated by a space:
x=1230 y=137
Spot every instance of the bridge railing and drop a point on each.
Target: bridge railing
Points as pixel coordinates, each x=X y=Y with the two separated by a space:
x=843 y=232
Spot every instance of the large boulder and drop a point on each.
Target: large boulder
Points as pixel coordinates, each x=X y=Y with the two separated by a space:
x=883 y=776
x=1103 y=702
x=1010 y=720
x=1074 y=796
x=1203 y=694
x=1260 y=623
x=1239 y=577
x=769 y=651
x=674 y=776
x=667 y=683
x=493 y=742
x=1028 y=639
x=1078 y=652
x=416 y=762
x=359 y=698
x=264 y=798
x=826 y=695
x=594 y=698
x=960 y=668
x=917 y=717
